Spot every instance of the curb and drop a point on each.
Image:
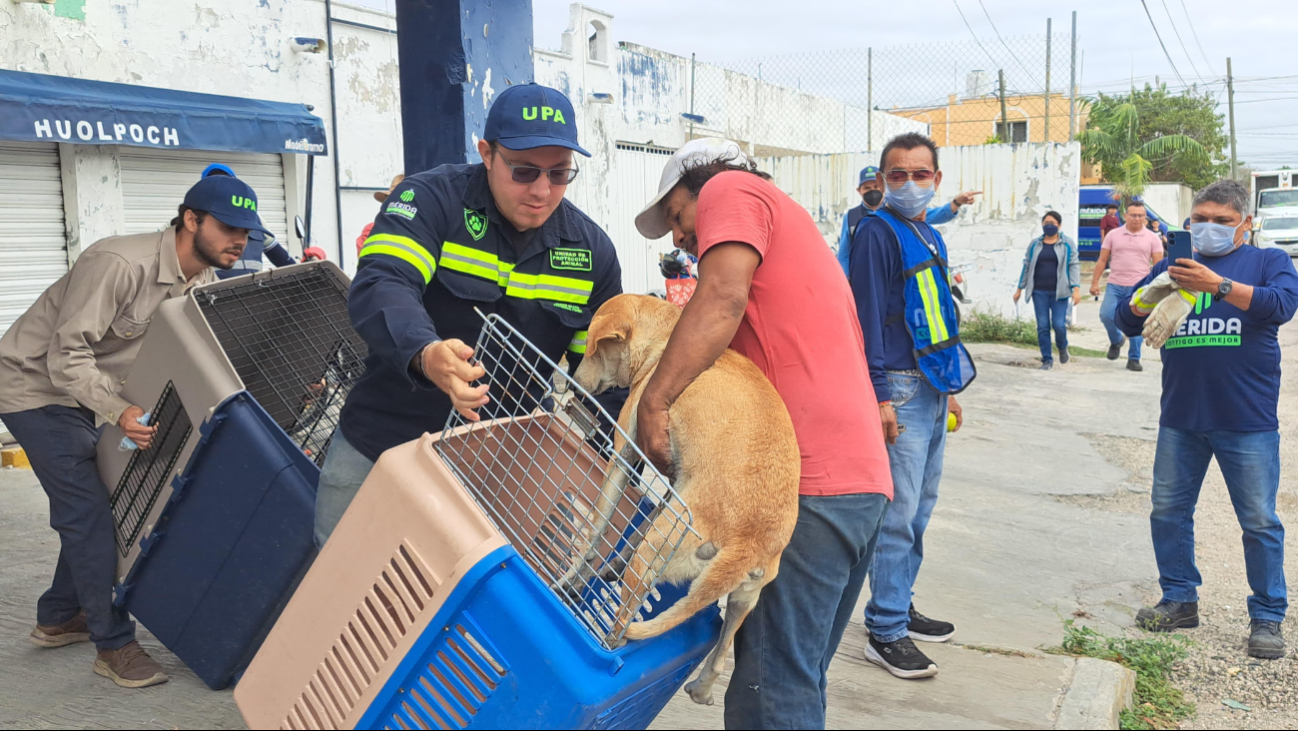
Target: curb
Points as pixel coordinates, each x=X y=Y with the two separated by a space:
x=1100 y=691
x=14 y=457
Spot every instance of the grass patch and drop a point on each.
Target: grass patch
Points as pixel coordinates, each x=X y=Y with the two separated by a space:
x=1156 y=704
x=991 y=327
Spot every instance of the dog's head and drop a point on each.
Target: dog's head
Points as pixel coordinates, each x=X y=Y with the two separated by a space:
x=625 y=340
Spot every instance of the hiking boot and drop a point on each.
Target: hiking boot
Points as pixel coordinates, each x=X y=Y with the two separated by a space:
x=1265 y=640
x=1167 y=616
x=1115 y=350
x=1063 y=355
x=58 y=635
x=1134 y=365
x=928 y=630
x=901 y=658
x=130 y=666
x=1046 y=365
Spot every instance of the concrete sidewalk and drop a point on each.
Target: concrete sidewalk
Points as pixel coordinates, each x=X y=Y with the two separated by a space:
x=1012 y=551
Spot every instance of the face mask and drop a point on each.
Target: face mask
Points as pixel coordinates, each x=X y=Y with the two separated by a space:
x=910 y=200
x=873 y=198
x=1050 y=229
x=1212 y=239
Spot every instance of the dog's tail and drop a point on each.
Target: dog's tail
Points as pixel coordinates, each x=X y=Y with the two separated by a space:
x=730 y=568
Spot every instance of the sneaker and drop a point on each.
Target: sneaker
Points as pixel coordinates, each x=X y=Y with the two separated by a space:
x=1134 y=365
x=130 y=666
x=1265 y=640
x=1046 y=365
x=1115 y=350
x=901 y=658
x=58 y=635
x=928 y=630
x=1167 y=616
x=1063 y=355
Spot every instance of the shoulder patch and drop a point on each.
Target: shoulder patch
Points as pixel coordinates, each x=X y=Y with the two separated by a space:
x=576 y=260
x=476 y=223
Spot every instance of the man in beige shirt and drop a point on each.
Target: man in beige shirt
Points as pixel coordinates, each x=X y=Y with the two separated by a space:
x=62 y=365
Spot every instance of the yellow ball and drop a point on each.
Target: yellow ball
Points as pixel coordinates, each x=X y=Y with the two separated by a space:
x=950 y=422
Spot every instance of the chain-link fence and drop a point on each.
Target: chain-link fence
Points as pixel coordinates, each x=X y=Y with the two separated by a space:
x=1014 y=89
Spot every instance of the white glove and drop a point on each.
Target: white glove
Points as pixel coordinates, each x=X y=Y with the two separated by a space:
x=1156 y=291
x=1167 y=317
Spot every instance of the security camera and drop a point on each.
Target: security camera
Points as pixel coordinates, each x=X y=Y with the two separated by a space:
x=308 y=45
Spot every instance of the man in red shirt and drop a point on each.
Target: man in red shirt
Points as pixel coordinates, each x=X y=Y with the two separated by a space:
x=1110 y=221
x=770 y=289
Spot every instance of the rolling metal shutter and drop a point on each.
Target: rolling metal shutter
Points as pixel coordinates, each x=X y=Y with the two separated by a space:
x=154 y=182
x=33 y=242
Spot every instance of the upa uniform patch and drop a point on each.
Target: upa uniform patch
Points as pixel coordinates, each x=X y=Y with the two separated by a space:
x=575 y=260
x=476 y=223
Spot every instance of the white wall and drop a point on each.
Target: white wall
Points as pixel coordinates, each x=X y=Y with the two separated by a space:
x=1019 y=183
x=1170 y=200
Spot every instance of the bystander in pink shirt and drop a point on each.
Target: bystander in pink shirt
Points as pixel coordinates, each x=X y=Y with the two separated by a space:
x=1131 y=255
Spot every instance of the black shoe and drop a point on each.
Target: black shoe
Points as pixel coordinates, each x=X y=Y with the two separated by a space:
x=1115 y=351
x=1046 y=365
x=1265 y=640
x=1134 y=365
x=901 y=658
x=1063 y=355
x=1167 y=616
x=928 y=630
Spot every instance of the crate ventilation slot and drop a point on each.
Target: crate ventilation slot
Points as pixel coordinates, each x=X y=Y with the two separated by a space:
x=149 y=470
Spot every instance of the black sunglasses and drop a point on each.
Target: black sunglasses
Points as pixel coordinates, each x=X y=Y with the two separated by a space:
x=527 y=174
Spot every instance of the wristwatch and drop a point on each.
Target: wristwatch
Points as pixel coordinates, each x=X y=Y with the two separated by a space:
x=1224 y=288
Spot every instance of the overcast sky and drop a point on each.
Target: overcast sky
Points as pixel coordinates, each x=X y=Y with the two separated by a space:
x=1116 y=36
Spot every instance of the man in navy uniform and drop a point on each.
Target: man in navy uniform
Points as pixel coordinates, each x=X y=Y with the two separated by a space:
x=496 y=236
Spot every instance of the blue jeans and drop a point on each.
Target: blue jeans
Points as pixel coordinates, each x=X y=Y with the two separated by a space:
x=1113 y=295
x=340 y=478
x=60 y=442
x=916 y=462
x=1250 y=462
x=783 y=649
x=1051 y=312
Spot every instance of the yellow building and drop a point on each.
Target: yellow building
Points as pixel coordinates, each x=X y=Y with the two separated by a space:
x=974 y=120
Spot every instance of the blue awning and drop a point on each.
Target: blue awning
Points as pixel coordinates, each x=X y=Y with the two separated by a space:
x=41 y=108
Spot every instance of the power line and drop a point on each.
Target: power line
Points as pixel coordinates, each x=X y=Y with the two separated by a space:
x=975 y=35
x=1145 y=5
x=1002 y=40
x=1178 y=40
x=1189 y=20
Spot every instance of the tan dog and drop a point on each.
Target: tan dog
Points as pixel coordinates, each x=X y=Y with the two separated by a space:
x=737 y=468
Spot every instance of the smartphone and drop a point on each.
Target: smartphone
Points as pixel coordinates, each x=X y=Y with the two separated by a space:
x=1178 y=246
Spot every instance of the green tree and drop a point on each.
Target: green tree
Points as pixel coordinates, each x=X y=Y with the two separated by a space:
x=1150 y=136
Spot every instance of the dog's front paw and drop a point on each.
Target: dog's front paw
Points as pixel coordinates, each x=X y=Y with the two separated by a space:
x=698 y=693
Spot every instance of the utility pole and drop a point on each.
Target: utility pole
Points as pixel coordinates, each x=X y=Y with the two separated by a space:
x=1046 y=138
x=869 y=99
x=1230 y=96
x=1005 y=123
x=1072 y=86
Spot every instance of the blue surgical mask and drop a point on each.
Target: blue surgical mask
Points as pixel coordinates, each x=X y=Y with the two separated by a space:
x=1212 y=239
x=1050 y=229
x=909 y=200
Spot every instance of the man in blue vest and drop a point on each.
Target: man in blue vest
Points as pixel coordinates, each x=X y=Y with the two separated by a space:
x=871 y=192
x=250 y=262
x=898 y=274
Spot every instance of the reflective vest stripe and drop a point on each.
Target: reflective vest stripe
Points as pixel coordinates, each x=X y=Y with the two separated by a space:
x=578 y=344
x=932 y=306
x=403 y=248
x=460 y=258
x=479 y=266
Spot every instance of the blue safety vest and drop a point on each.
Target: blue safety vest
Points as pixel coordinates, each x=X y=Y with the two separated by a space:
x=930 y=314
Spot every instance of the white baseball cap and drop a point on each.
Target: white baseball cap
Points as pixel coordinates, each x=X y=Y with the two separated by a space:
x=652 y=221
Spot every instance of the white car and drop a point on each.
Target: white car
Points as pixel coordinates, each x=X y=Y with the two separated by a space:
x=1279 y=232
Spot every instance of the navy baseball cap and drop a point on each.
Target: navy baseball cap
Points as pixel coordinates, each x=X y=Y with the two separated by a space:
x=869 y=172
x=232 y=201
x=528 y=116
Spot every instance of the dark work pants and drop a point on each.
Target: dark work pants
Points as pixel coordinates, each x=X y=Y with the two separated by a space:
x=60 y=443
x=784 y=647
